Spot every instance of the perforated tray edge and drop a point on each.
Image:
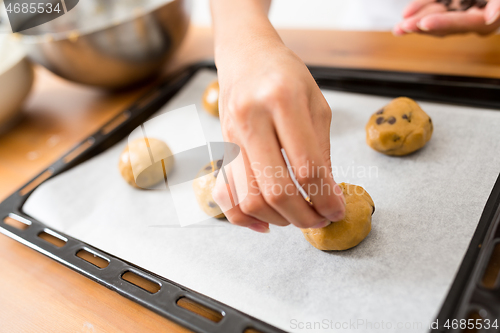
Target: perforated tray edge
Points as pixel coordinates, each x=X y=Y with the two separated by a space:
x=471 y=91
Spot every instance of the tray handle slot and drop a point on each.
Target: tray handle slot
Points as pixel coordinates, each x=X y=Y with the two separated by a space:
x=79 y=150
x=475 y=317
x=497 y=231
x=492 y=272
x=146 y=100
x=199 y=309
x=93 y=258
x=251 y=330
x=141 y=281
x=37 y=181
x=52 y=237
x=117 y=121
x=18 y=223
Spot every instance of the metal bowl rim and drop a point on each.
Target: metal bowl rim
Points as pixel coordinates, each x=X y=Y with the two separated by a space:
x=66 y=35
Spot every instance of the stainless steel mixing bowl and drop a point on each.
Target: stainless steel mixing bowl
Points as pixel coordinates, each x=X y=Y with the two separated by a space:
x=110 y=43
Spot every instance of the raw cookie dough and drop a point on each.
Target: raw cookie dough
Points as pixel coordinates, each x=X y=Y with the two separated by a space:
x=203 y=186
x=136 y=156
x=211 y=98
x=350 y=231
x=399 y=128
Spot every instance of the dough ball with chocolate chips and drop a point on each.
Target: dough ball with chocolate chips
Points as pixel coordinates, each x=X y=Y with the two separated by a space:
x=203 y=186
x=136 y=159
x=400 y=128
x=350 y=231
x=210 y=98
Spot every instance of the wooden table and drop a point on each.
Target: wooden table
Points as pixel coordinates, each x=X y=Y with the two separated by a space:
x=39 y=295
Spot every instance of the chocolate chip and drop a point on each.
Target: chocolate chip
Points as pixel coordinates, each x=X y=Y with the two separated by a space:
x=373 y=209
x=396 y=138
x=481 y=3
x=407 y=117
x=380 y=120
x=380 y=111
x=212 y=204
x=463 y=5
x=219 y=163
x=391 y=120
x=430 y=120
x=208 y=167
x=447 y=3
x=466 y=4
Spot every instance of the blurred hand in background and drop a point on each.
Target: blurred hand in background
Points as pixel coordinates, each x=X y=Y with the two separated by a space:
x=432 y=18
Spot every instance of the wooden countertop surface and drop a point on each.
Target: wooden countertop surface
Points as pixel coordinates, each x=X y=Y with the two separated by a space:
x=39 y=295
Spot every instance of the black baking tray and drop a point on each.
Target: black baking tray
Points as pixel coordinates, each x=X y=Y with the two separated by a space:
x=467 y=294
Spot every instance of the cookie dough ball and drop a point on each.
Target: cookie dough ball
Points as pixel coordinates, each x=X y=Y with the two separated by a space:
x=350 y=231
x=400 y=128
x=203 y=186
x=211 y=98
x=135 y=158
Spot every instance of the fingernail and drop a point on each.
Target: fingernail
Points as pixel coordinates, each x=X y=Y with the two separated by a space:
x=397 y=33
x=339 y=193
x=322 y=224
x=405 y=28
x=259 y=227
x=493 y=18
x=342 y=198
x=422 y=27
x=336 y=216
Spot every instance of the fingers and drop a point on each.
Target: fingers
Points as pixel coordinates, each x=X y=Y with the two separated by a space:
x=432 y=19
x=321 y=115
x=222 y=193
x=270 y=170
x=415 y=6
x=308 y=149
x=253 y=204
x=492 y=12
x=237 y=217
x=397 y=31
x=455 y=22
x=411 y=24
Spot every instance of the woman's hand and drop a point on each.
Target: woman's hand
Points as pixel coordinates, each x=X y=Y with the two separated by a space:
x=432 y=18
x=268 y=101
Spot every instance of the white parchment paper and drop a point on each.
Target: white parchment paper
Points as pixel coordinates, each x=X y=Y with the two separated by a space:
x=427 y=207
